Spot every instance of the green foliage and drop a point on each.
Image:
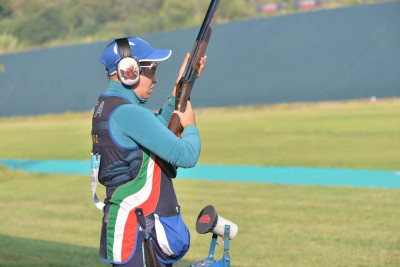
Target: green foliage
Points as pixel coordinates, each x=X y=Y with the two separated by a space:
x=44 y=23
x=5 y=8
x=30 y=30
x=179 y=14
x=8 y=42
x=235 y=10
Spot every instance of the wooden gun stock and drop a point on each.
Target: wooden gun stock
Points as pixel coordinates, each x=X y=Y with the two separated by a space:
x=180 y=105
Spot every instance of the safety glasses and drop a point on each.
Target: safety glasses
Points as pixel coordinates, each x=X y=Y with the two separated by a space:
x=148 y=69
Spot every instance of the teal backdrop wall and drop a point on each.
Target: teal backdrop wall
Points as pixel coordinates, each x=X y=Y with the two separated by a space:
x=336 y=54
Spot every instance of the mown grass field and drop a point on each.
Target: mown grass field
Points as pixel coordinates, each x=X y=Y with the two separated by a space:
x=49 y=220
x=354 y=134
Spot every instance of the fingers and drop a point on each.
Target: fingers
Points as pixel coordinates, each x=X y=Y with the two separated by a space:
x=185 y=61
x=182 y=69
x=188 y=105
x=178 y=113
x=186 y=118
x=188 y=108
x=203 y=61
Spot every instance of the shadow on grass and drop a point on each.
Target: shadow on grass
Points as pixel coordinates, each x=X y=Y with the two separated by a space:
x=17 y=251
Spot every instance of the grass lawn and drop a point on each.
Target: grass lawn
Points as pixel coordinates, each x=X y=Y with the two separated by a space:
x=49 y=220
x=353 y=134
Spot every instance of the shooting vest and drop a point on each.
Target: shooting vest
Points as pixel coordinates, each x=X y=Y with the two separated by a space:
x=133 y=180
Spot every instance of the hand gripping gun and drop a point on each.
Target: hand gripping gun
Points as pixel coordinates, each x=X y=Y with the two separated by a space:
x=185 y=84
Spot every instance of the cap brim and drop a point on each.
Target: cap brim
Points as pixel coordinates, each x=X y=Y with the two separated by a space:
x=157 y=55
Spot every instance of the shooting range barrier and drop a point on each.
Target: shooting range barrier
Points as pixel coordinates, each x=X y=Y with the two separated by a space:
x=275 y=175
x=336 y=54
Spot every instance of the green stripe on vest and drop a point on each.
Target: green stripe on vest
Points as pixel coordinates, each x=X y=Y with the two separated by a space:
x=119 y=195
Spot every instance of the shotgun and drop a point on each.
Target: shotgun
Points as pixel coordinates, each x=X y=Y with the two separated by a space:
x=184 y=87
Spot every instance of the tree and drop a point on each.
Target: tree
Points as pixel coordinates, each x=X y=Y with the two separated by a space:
x=8 y=43
x=5 y=8
x=38 y=28
x=176 y=14
x=234 y=10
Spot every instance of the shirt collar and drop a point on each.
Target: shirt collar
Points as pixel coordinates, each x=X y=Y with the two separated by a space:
x=117 y=88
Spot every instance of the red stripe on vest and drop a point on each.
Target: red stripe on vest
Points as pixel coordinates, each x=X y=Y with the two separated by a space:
x=148 y=207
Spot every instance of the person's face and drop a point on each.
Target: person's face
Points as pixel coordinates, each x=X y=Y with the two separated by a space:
x=147 y=79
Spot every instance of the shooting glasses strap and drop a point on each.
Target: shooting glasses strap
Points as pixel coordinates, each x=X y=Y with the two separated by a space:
x=95 y=162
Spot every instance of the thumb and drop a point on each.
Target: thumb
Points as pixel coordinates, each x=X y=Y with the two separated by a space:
x=188 y=105
x=178 y=113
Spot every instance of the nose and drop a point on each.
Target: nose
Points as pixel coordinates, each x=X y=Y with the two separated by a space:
x=154 y=80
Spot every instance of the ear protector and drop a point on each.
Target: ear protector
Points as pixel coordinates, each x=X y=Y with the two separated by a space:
x=128 y=67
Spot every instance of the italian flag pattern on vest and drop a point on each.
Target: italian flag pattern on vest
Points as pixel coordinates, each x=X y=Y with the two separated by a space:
x=142 y=192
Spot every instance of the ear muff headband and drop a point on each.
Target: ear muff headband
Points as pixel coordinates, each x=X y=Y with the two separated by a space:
x=124 y=47
x=128 y=67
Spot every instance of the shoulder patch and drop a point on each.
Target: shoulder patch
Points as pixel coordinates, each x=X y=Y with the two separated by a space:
x=99 y=109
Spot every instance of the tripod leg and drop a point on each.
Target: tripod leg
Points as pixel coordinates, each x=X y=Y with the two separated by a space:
x=212 y=246
x=227 y=258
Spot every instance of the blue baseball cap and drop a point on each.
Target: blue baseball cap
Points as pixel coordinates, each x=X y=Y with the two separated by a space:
x=140 y=49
